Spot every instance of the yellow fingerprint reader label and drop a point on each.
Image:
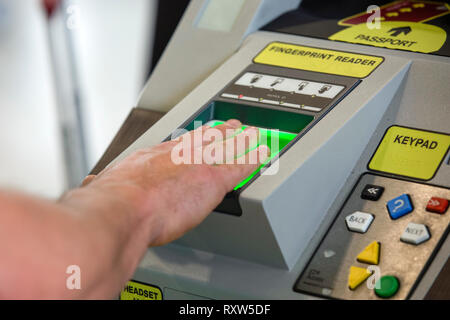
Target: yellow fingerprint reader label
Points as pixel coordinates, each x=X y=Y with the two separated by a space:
x=318 y=60
x=140 y=291
x=410 y=152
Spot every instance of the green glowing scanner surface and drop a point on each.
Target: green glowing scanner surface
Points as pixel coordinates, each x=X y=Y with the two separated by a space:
x=265 y=136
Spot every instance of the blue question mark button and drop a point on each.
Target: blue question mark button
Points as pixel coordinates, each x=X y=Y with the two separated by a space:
x=400 y=206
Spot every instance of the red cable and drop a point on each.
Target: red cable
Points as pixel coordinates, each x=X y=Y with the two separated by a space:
x=50 y=6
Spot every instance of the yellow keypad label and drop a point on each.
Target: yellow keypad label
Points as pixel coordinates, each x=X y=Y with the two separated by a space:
x=410 y=152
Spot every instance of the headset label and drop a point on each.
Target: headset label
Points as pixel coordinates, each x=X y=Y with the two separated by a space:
x=140 y=291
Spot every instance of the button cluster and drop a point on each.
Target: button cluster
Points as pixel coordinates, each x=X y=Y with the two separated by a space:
x=376 y=250
x=297 y=86
x=414 y=233
x=276 y=90
x=397 y=207
x=370 y=255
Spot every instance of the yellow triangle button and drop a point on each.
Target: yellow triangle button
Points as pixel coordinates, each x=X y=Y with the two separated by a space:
x=357 y=276
x=371 y=254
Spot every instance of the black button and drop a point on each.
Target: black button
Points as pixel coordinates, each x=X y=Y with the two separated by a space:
x=372 y=192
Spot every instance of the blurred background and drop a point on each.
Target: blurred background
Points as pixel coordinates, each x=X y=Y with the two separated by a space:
x=70 y=72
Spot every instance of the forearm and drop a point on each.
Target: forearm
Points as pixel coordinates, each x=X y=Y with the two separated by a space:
x=105 y=227
x=95 y=228
x=120 y=224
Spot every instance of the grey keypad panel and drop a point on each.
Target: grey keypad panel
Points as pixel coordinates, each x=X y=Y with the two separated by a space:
x=407 y=244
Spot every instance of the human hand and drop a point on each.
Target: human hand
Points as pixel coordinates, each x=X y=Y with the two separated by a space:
x=173 y=197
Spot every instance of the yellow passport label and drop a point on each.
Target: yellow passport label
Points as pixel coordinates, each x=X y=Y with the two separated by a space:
x=402 y=35
x=140 y=291
x=410 y=152
x=318 y=60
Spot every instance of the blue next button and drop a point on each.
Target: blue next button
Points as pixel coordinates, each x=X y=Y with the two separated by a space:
x=400 y=206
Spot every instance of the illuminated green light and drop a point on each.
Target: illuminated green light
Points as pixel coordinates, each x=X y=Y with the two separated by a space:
x=265 y=136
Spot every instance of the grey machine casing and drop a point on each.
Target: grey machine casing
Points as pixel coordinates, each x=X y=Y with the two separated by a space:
x=261 y=254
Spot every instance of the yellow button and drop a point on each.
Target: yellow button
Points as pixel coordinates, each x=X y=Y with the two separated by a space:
x=410 y=152
x=357 y=276
x=371 y=254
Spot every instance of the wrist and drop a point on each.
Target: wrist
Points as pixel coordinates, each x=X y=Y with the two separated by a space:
x=98 y=196
x=121 y=206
